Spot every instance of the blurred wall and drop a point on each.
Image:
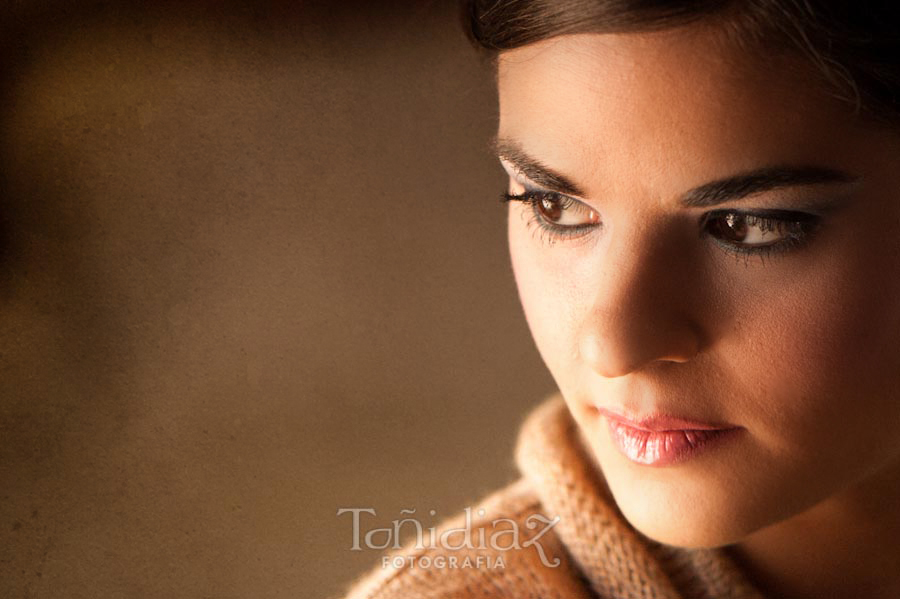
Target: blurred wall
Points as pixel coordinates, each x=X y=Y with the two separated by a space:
x=252 y=270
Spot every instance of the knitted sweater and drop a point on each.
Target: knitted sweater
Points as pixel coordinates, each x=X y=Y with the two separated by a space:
x=554 y=533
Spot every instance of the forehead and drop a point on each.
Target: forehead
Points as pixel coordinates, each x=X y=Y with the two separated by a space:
x=678 y=104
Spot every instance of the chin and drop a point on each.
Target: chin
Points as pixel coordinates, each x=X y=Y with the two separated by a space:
x=695 y=533
x=685 y=522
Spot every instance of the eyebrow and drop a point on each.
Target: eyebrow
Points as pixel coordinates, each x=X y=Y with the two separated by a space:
x=763 y=179
x=536 y=171
x=713 y=193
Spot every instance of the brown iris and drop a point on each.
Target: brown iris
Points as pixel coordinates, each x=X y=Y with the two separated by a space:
x=551 y=209
x=732 y=227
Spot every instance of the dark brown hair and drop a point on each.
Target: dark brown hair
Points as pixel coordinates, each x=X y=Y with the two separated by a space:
x=855 y=45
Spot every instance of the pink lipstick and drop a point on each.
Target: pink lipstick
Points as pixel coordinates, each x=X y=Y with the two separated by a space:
x=661 y=440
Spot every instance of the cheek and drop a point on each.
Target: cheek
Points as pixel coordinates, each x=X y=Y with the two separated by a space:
x=548 y=297
x=816 y=365
x=532 y=284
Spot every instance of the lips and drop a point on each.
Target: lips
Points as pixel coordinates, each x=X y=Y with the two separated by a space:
x=663 y=440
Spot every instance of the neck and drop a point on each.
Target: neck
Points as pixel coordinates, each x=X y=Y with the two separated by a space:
x=846 y=546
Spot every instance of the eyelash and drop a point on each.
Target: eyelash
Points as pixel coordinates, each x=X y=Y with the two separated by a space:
x=795 y=227
x=554 y=232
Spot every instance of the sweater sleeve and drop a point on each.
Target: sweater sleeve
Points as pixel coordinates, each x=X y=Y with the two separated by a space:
x=503 y=547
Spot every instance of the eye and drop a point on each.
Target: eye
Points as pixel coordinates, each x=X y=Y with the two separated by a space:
x=749 y=232
x=556 y=214
x=560 y=210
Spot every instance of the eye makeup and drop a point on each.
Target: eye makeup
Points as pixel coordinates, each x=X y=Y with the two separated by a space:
x=549 y=208
x=739 y=232
x=759 y=232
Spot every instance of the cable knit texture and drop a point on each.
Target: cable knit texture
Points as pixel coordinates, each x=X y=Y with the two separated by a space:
x=589 y=552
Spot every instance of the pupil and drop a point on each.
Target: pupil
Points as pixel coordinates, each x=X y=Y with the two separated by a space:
x=737 y=226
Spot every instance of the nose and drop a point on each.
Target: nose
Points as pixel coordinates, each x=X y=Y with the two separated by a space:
x=640 y=310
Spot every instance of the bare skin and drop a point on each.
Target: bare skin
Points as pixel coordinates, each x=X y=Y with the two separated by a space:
x=785 y=325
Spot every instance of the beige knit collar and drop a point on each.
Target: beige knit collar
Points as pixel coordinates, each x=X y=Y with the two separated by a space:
x=616 y=559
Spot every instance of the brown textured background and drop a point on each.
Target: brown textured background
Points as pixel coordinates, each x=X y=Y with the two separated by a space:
x=252 y=270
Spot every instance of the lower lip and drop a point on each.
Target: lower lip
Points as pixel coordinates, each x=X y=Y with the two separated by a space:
x=662 y=448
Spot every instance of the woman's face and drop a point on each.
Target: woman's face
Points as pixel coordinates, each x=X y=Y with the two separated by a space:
x=725 y=249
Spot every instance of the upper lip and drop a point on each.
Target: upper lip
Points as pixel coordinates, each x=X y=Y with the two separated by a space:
x=661 y=422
